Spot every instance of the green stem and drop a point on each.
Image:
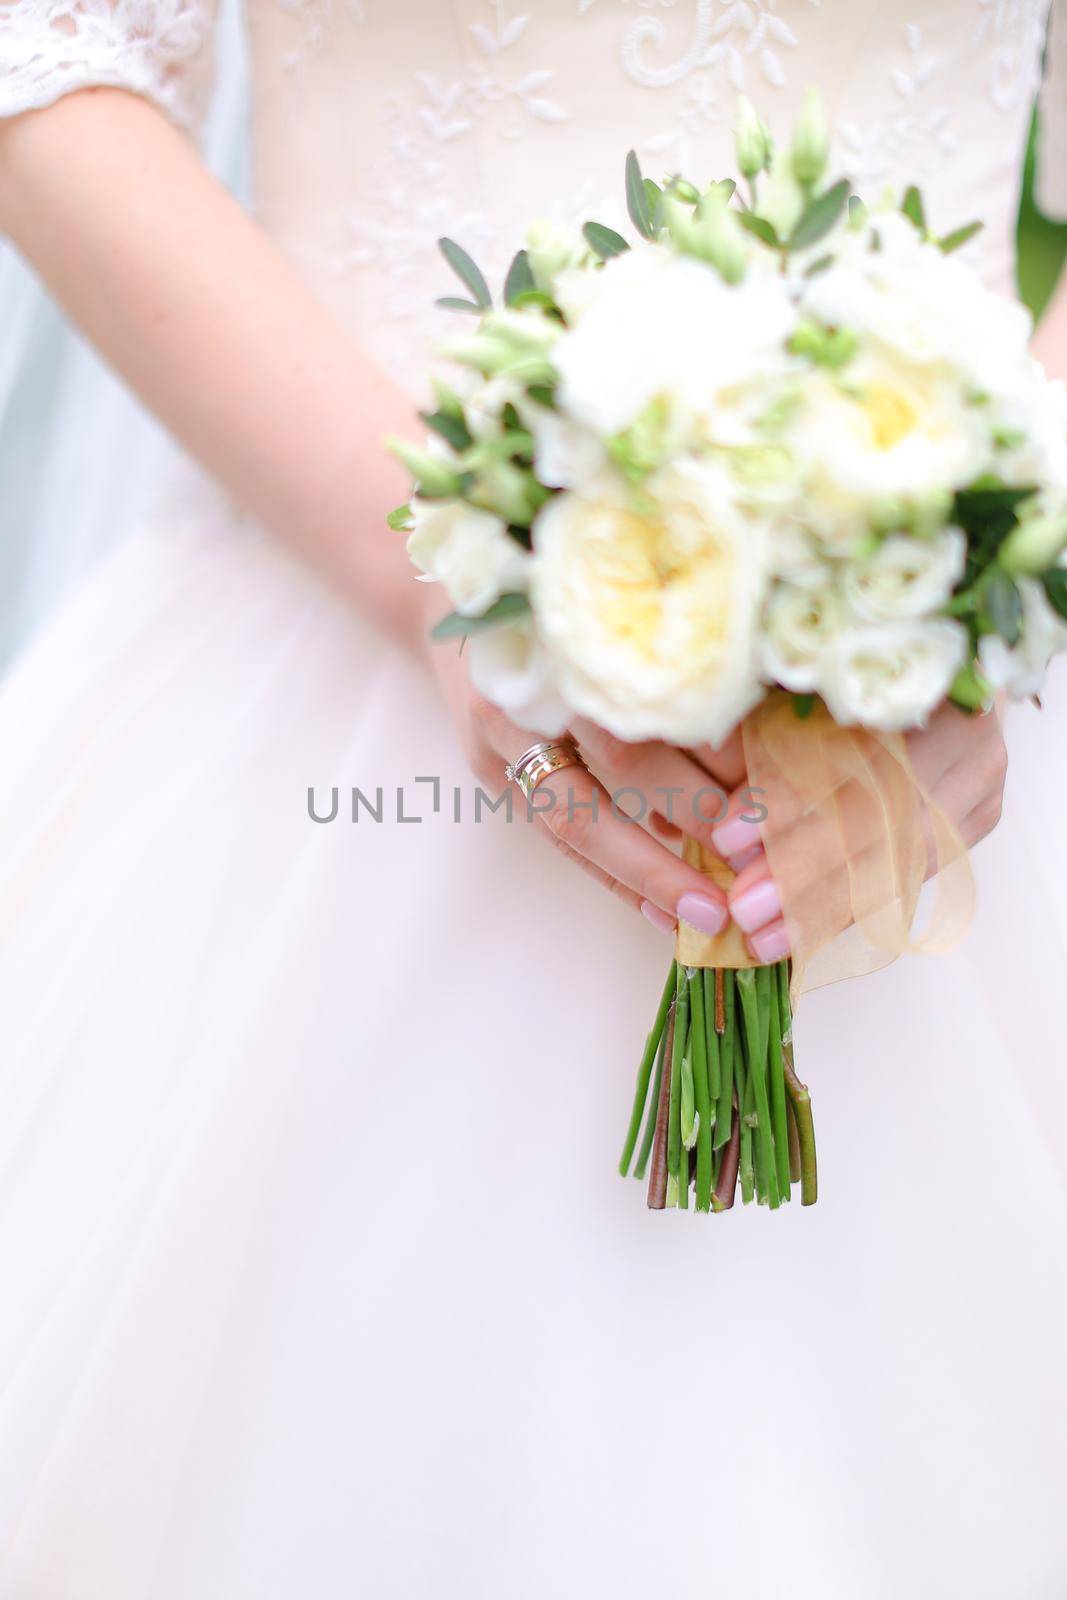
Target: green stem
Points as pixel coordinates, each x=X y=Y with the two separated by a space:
x=657 y=1178
x=653 y=1106
x=699 y=1052
x=752 y=988
x=779 y=1115
x=725 y=1105
x=726 y=1178
x=801 y=1103
x=674 y=1124
x=644 y=1072
x=711 y=1037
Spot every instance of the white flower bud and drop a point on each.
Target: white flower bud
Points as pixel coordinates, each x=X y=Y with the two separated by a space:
x=811 y=140
x=752 y=139
x=551 y=248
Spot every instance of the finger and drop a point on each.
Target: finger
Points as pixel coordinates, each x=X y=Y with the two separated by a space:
x=738 y=834
x=727 y=763
x=668 y=782
x=771 y=944
x=576 y=812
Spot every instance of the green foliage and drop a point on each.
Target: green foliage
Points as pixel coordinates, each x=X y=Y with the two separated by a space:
x=960 y=236
x=1055 y=583
x=507 y=609
x=820 y=215
x=604 y=241
x=637 y=201
x=467 y=272
x=913 y=208
x=520 y=279
x=402 y=520
x=451 y=428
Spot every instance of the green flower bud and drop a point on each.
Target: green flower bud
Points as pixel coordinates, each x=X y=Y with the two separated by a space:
x=710 y=233
x=1035 y=544
x=448 y=402
x=435 y=479
x=650 y=440
x=970 y=690
x=752 y=139
x=684 y=190
x=781 y=197
x=811 y=140
x=511 y=491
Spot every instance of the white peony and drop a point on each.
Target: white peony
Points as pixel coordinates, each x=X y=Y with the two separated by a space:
x=677 y=333
x=510 y=667
x=467 y=550
x=1021 y=670
x=892 y=675
x=648 y=606
x=799 y=627
x=906 y=577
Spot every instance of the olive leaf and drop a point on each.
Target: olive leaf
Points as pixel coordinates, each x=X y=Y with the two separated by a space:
x=819 y=216
x=1056 y=589
x=468 y=273
x=604 y=241
x=451 y=428
x=960 y=236
x=913 y=208
x=758 y=225
x=451 y=302
x=1003 y=606
x=520 y=280
x=637 y=203
x=506 y=609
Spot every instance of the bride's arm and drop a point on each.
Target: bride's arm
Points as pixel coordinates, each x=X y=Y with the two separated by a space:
x=203 y=317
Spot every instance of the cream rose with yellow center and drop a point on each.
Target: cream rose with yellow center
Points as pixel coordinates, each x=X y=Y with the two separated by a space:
x=646 y=603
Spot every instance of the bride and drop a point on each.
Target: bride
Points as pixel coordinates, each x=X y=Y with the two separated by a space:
x=317 y=1277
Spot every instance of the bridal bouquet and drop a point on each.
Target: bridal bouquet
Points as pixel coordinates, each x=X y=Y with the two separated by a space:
x=775 y=460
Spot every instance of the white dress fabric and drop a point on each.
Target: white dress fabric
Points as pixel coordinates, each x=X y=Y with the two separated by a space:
x=317 y=1277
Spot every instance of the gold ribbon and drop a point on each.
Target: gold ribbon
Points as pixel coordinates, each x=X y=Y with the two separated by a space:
x=849 y=834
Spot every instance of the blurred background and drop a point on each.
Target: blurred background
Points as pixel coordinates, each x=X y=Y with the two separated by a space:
x=80 y=461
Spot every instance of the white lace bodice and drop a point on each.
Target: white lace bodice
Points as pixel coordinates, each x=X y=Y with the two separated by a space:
x=381 y=124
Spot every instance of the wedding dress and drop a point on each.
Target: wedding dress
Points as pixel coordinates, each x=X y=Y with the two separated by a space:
x=316 y=1276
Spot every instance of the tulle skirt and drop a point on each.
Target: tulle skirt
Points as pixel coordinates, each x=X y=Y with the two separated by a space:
x=317 y=1275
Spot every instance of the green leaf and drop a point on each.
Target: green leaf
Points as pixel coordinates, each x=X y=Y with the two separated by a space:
x=466 y=271
x=605 y=241
x=727 y=187
x=451 y=302
x=989 y=506
x=820 y=215
x=819 y=265
x=913 y=208
x=1056 y=589
x=960 y=236
x=655 y=203
x=520 y=280
x=803 y=706
x=637 y=198
x=401 y=520
x=1003 y=606
x=506 y=609
x=760 y=227
x=534 y=297
x=543 y=395
x=857 y=211
x=451 y=428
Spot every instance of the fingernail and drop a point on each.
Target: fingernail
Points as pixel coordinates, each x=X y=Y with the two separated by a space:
x=757 y=906
x=734 y=836
x=770 y=945
x=739 y=863
x=659 y=919
x=702 y=913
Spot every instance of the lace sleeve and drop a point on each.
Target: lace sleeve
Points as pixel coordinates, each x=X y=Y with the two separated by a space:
x=158 y=48
x=1051 y=176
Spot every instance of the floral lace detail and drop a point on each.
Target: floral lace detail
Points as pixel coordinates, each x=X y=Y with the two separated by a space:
x=158 y=48
x=725 y=37
x=1017 y=31
x=917 y=138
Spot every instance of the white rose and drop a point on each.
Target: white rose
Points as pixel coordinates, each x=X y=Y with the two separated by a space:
x=579 y=288
x=678 y=333
x=509 y=666
x=883 y=429
x=467 y=550
x=906 y=577
x=1021 y=670
x=648 y=607
x=799 y=627
x=892 y=675
x=566 y=455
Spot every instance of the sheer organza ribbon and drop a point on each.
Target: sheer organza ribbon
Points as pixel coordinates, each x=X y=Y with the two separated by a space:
x=849 y=834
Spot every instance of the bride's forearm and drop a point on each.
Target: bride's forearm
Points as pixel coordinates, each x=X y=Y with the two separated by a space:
x=199 y=312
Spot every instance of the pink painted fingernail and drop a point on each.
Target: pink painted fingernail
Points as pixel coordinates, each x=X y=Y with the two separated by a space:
x=659 y=919
x=757 y=906
x=734 y=836
x=771 y=944
x=702 y=913
x=739 y=863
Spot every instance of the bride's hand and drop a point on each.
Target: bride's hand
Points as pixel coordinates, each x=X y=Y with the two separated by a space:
x=618 y=852
x=962 y=763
